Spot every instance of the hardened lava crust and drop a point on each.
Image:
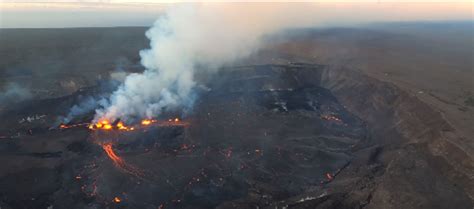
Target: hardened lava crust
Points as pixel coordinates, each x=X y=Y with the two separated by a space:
x=260 y=136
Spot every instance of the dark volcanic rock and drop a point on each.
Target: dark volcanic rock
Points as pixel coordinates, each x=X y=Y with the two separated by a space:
x=269 y=136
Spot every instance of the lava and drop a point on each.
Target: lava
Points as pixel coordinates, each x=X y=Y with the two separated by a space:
x=102 y=124
x=121 y=126
x=146 y=122
x=120 y=163
x=106 y=125
x=114 y=157
x=117 y=125
x=67 y=126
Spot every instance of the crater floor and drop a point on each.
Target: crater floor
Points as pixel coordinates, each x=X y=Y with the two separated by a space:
x=258 y=134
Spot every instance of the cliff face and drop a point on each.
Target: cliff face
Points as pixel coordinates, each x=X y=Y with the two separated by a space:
x=411 y=158
x=422 y=161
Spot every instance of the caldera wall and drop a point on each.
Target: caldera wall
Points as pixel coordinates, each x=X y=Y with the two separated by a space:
x=425 y=164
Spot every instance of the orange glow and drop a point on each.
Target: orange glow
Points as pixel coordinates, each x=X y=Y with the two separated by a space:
x=146 y=122
x=117 y=200
x=64 y=126
x=102 y=124
x=107 y=126
x=119 y=162
x=110 y=152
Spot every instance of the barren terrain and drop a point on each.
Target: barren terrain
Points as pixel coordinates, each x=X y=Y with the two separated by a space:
x=375 y=117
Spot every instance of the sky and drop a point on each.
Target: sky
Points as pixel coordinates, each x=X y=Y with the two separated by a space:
x=111 y=13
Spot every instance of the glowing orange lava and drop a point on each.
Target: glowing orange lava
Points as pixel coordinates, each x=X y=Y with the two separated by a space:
x=102 y=124
x=121 y=126
x=120 y=163
x=114 y=157
x=146 y=122
x=66 y=126
x=105 y=124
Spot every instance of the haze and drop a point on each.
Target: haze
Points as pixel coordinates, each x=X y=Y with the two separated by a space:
x=59 y=14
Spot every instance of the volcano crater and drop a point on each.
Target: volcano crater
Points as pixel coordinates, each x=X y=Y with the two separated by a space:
x=267 y=136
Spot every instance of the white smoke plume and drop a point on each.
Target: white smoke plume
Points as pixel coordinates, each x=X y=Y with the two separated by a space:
x=209 y=35
x=187 y=36
x=86 y=105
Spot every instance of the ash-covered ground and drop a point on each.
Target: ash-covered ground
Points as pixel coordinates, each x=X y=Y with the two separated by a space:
x=256 y=135
x=383 y=124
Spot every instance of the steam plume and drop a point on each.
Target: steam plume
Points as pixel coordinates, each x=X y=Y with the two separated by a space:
x=208 y=35
x=186 y=37
x=87 y=105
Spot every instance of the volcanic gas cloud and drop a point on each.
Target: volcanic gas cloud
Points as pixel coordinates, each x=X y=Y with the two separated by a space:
x=184 y=38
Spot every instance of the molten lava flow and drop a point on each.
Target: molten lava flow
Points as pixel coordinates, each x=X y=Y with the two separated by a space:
x=119 y=162
x=114 y=157
x=66 y=126
x=121 y=126
x=146 y=122
x=169 y=122
x=104 y=124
